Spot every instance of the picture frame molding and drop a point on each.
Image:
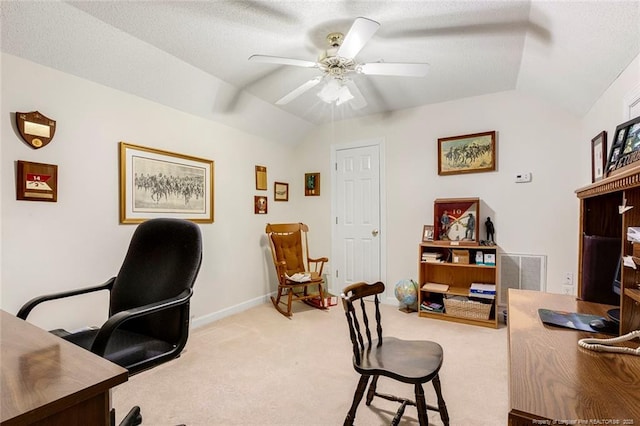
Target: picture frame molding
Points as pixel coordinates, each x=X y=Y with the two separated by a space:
x=598 y=156
x=458 y=206
x=28 y=190
x=618 y=161
x=278 y=188
x=427 y=233
x=448 y=143
x=128 y=213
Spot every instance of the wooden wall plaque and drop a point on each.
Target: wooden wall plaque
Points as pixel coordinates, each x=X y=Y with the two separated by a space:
x=37 y=182
x=36 y=129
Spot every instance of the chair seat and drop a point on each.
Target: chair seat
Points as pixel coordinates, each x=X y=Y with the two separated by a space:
x=125 y=348
x=408 y=361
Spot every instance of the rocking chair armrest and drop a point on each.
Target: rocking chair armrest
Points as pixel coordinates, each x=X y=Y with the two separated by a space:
x=99 y=345
x=28 y=307
x=320 y=259
x=319 y=263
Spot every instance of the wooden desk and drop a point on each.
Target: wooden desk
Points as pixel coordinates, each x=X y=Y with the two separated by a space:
x=552 y=379
x=47 y=380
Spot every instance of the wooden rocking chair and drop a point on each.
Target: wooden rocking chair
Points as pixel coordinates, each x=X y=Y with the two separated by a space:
x=290 y=251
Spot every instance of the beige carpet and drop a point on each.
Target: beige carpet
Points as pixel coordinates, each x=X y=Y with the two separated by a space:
x=260 y=368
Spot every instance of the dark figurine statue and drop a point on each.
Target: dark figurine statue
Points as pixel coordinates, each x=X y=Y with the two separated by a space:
x=490 y=229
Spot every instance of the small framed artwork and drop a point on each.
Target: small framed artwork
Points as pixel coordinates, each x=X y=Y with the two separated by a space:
x=280 y=191
x=456 y=220
x=37 y=182
x=598 y=156
x=427 y=233
x=626 y=147
x=261 y=178
x=311 y=184
x=156 y=183
x=260 y=204
x=467 y=153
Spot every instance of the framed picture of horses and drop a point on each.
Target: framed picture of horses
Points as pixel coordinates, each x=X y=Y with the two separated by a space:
x=467 y=153
x=156 y=183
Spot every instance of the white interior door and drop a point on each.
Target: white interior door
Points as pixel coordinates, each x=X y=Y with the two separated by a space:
x=357 y=222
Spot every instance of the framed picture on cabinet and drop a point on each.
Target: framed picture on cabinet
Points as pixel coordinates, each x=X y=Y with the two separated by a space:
x=598 y=156
x=472 y=153
x=156 y=183
x=456 y=220
x=626 y=147
x=427 y=233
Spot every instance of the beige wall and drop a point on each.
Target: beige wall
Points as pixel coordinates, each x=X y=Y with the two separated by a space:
x=78 y=241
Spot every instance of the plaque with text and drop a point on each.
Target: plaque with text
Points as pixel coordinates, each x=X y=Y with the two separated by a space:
x=36 y=129
x=37 y=181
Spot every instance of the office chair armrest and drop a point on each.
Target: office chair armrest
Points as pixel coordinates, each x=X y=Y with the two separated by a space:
x=28 y=307
x=99 y=345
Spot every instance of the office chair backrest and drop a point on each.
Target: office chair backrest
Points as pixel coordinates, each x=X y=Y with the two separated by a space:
x=162 y=261
x=359 y=322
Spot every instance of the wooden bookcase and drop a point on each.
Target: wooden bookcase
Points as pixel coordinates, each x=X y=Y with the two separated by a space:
x=459 y=277
x=599 y=216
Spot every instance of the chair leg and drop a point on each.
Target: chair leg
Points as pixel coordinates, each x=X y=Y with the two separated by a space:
x=276 y=303
x=421 y=405
x=372 y=390
x=442 y=407
x=357 y=397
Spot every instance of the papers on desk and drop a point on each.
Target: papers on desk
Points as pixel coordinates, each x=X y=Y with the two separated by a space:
x=299 y=277
x=628 y=261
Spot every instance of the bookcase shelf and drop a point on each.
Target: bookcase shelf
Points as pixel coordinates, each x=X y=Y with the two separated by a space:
x=459 y=277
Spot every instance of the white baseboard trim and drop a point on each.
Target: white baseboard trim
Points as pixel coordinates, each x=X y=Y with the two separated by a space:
x=241 y=307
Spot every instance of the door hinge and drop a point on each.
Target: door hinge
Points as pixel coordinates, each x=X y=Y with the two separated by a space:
x=336 y=273
x=336 y=220
x=336 y=166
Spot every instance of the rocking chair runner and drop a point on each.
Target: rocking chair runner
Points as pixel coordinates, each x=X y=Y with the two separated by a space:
x=290 y=251
x=409 y=361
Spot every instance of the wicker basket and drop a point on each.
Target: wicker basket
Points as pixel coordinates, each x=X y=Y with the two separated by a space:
x=467 y=309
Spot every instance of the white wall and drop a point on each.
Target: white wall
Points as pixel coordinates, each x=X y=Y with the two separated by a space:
x=47 y=247
x=540 y=217
x=76 y=242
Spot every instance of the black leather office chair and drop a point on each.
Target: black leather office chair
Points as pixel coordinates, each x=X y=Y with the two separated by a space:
x=148 y=320
x=409 y=361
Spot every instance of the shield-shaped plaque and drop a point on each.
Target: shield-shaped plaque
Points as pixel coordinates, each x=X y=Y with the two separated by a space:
x=36 y=129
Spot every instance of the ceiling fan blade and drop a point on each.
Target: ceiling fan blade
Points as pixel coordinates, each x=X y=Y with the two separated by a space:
x=283 y=61
x=299 y=91
x=359 y=34
x=394 y=69
x=358 y=101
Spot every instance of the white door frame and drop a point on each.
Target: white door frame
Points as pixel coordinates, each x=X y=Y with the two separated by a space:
x=380 y=143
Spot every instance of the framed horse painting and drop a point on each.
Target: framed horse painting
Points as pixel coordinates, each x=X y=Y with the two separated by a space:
x=156 y=183
x=467 y=153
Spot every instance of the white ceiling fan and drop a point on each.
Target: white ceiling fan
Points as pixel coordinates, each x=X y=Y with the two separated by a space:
x=338 y=62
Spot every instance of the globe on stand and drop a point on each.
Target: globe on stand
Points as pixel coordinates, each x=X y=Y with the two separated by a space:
x=406 y=291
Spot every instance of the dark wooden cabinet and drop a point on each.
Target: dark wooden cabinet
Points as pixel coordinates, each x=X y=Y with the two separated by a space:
x=599 y=216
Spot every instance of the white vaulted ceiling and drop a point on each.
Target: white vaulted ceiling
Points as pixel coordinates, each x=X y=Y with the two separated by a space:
x=565 y=52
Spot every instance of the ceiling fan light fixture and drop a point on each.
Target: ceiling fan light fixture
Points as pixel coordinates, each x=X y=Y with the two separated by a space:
x=335 y=91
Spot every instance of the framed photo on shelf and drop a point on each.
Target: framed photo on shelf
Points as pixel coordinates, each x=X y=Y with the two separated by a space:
x=156 y=183
x=456 y=220
x=427 y=233
x=37 y=182
x=472 y=153
x=280 y=191
x=625 y=149
x=598 y=156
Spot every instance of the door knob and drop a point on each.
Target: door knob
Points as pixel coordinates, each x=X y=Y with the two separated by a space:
x=374 y=232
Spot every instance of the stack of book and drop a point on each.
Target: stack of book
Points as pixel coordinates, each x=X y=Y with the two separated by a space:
x=427 y=306
x=431 y=257
x=482 y=292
